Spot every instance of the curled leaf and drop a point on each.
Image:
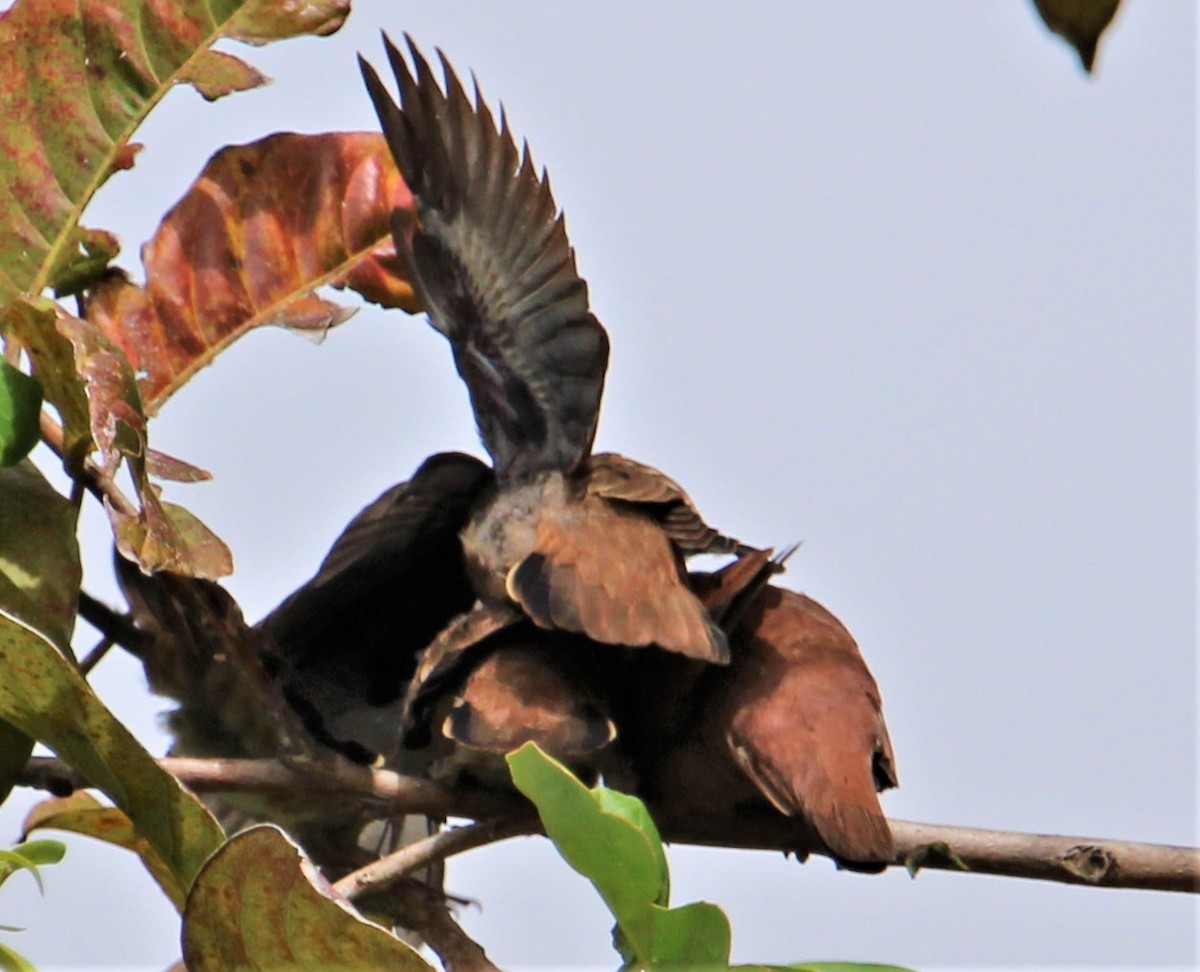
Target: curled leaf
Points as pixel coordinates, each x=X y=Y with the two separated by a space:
x=82 y=813
x=262 y=228
x=164 y=536
x=85 y=259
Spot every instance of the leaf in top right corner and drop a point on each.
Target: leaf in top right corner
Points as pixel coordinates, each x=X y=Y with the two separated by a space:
x=1079 y=22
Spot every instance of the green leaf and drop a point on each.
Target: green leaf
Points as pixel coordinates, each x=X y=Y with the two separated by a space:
x=41 y=852
x=258 y=904
x=45 y=697
x=10 y=961
x=625 y=862
x=20 y=405
x=82 y=813
x=34 y=323
x=39 y=555
x=28 y=856
x=97 y=70
x=694 y=936
x=610 y=838
x=822 y=967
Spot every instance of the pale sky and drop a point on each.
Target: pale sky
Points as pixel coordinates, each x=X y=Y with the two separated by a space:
x=894 y=280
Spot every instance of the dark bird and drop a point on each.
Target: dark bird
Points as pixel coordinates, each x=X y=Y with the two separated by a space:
x=232 y=703
x=349 y=638
x=325 y=672
x=592 y=544
x=793 y=725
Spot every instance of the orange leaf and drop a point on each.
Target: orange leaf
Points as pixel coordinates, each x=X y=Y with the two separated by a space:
x=263 y=227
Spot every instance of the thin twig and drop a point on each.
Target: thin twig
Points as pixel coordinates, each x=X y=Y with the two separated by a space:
x=446 y=843
x=1094 y=862
x=117 y=628
x=96 y=655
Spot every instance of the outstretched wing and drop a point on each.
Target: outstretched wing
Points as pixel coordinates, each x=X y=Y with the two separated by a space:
x=490 y=259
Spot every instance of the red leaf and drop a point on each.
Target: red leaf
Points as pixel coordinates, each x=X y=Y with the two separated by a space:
x=248 y=244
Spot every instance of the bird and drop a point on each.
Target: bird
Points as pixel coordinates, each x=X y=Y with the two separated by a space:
x=581 y=542
x=348 y=639
x=322 y=674
x=198 y=650
x=492 y=681
x=793 y=725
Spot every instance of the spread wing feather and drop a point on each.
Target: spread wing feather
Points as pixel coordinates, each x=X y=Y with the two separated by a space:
x=490 y=259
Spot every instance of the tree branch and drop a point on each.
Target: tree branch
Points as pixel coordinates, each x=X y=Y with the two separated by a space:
x=116 y=628
x=425 y=913
x=437 y=847
x=1094 y=862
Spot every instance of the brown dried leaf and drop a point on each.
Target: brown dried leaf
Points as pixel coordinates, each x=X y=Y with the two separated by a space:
x=164 y=536
x=216 y=74
x=161 y=466
x=263 y=227
x=114 y=405
x=82 y=813
x=91 y=382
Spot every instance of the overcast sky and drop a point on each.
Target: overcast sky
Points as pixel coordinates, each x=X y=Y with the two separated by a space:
x=895 y=280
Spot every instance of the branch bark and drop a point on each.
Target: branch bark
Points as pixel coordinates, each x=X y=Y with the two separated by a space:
x=1093 y=862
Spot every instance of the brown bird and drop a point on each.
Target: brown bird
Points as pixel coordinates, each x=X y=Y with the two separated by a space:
x=492 y=681
x=592 y=544
x=479 y=694
x=793 y=725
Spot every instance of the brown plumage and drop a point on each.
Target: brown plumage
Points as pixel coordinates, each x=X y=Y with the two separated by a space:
x=492 y=681
x=573 y=539
x=521 y=692
x=794 y=725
